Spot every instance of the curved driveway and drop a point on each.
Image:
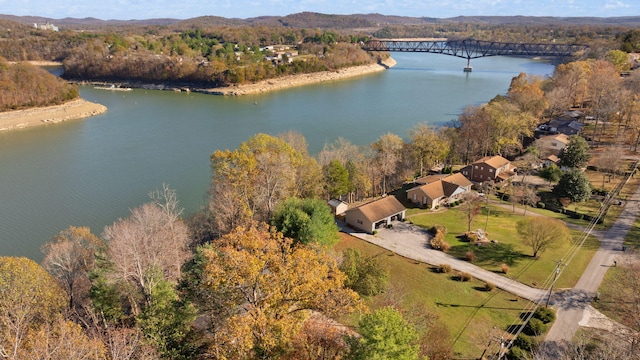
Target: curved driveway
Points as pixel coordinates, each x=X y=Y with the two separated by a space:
x=411 y=242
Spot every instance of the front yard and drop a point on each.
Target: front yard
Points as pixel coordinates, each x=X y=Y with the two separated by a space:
x=508 y=248
x=472 y=315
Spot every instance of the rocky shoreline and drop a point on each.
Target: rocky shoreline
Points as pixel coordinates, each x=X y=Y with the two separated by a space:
x=290 y=81
x=72 y=110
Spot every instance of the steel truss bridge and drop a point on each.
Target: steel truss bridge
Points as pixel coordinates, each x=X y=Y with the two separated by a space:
x=472 y=49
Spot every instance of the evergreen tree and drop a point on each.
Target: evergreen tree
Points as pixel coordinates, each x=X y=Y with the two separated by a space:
x=576 y=154
x=573 y=185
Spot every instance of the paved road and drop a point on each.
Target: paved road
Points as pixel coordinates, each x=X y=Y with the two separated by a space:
x=411 y=242
x=571 y=305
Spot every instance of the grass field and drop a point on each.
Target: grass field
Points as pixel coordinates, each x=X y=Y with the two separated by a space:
x=472 y=315
x=501 y=226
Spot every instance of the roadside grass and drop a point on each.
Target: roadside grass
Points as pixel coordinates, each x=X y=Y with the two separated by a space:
x=508 y=249
x=632 y=239
x=606 y=289
x=472 y=315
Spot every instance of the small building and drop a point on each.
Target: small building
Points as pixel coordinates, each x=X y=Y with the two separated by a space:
x=442 y=190
x=375 y=214
x=338 y=207
x=489 y=168
x=551 y=159
x=552 y=144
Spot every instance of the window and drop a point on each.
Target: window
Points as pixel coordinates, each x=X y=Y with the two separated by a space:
x=476 y=167
x=490 y=170
x=359 y=221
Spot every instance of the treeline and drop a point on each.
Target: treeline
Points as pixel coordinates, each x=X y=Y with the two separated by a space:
x=151 y=288
x=23 y=85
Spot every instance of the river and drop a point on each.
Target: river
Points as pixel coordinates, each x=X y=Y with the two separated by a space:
x=91 y=172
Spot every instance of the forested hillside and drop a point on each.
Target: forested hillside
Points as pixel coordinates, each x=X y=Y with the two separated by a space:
x=24 y=85
x=214 y=51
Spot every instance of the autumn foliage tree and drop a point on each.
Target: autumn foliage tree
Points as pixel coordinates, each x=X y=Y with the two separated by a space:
x=250 y=182
x=257 y=288
x=29 y=299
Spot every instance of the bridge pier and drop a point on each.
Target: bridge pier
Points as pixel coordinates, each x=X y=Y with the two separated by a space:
x=468 y=68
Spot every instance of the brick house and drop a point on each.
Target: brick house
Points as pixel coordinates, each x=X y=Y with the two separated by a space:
x=494 y=168
x=436 y=190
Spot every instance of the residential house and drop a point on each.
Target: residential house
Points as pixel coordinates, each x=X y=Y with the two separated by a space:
x=338 y=207
x=436 y=190
x=489 y=168
x=560 y=126
x=375 y=214
x=552 y=144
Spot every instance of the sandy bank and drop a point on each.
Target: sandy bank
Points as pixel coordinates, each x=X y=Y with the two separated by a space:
x=290 y=81
x=74 y=109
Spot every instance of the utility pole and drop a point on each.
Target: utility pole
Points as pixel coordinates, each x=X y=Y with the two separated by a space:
x=501 y=342
x=555 y=277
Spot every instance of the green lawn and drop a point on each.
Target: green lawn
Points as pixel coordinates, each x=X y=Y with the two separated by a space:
x=469 y=312
x=501 y=226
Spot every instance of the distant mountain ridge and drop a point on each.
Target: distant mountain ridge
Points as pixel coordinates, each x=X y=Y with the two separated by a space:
x=318 y=20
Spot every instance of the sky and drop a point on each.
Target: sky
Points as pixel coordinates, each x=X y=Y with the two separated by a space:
x=184 y=9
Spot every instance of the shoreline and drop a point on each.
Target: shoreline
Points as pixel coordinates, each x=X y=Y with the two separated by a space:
x=291 y=81
x=71 y=110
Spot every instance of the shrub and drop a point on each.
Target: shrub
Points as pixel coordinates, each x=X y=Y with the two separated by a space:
x=504 y=268
x=534 y=327
x=366 y=275
x=389 y=226
x=438 y=242
x=375 y=232
x=540 y=205
x=525 y=342
x=471 y=237
x=489 y=286
x=465 y=276
x=444 y=268
x=470 y=256
x=544 y=314
x=437 y=227
x=516 y=353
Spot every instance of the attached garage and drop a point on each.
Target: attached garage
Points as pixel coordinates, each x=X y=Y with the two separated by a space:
x=378 y=213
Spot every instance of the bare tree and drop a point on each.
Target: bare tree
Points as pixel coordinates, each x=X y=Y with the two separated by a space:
x=152 y=239
x=541 y=233
x=471 y=207
x=388 y=155
x=69 y=257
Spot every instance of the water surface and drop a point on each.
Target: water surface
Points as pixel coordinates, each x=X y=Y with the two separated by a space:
x=91 y=172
